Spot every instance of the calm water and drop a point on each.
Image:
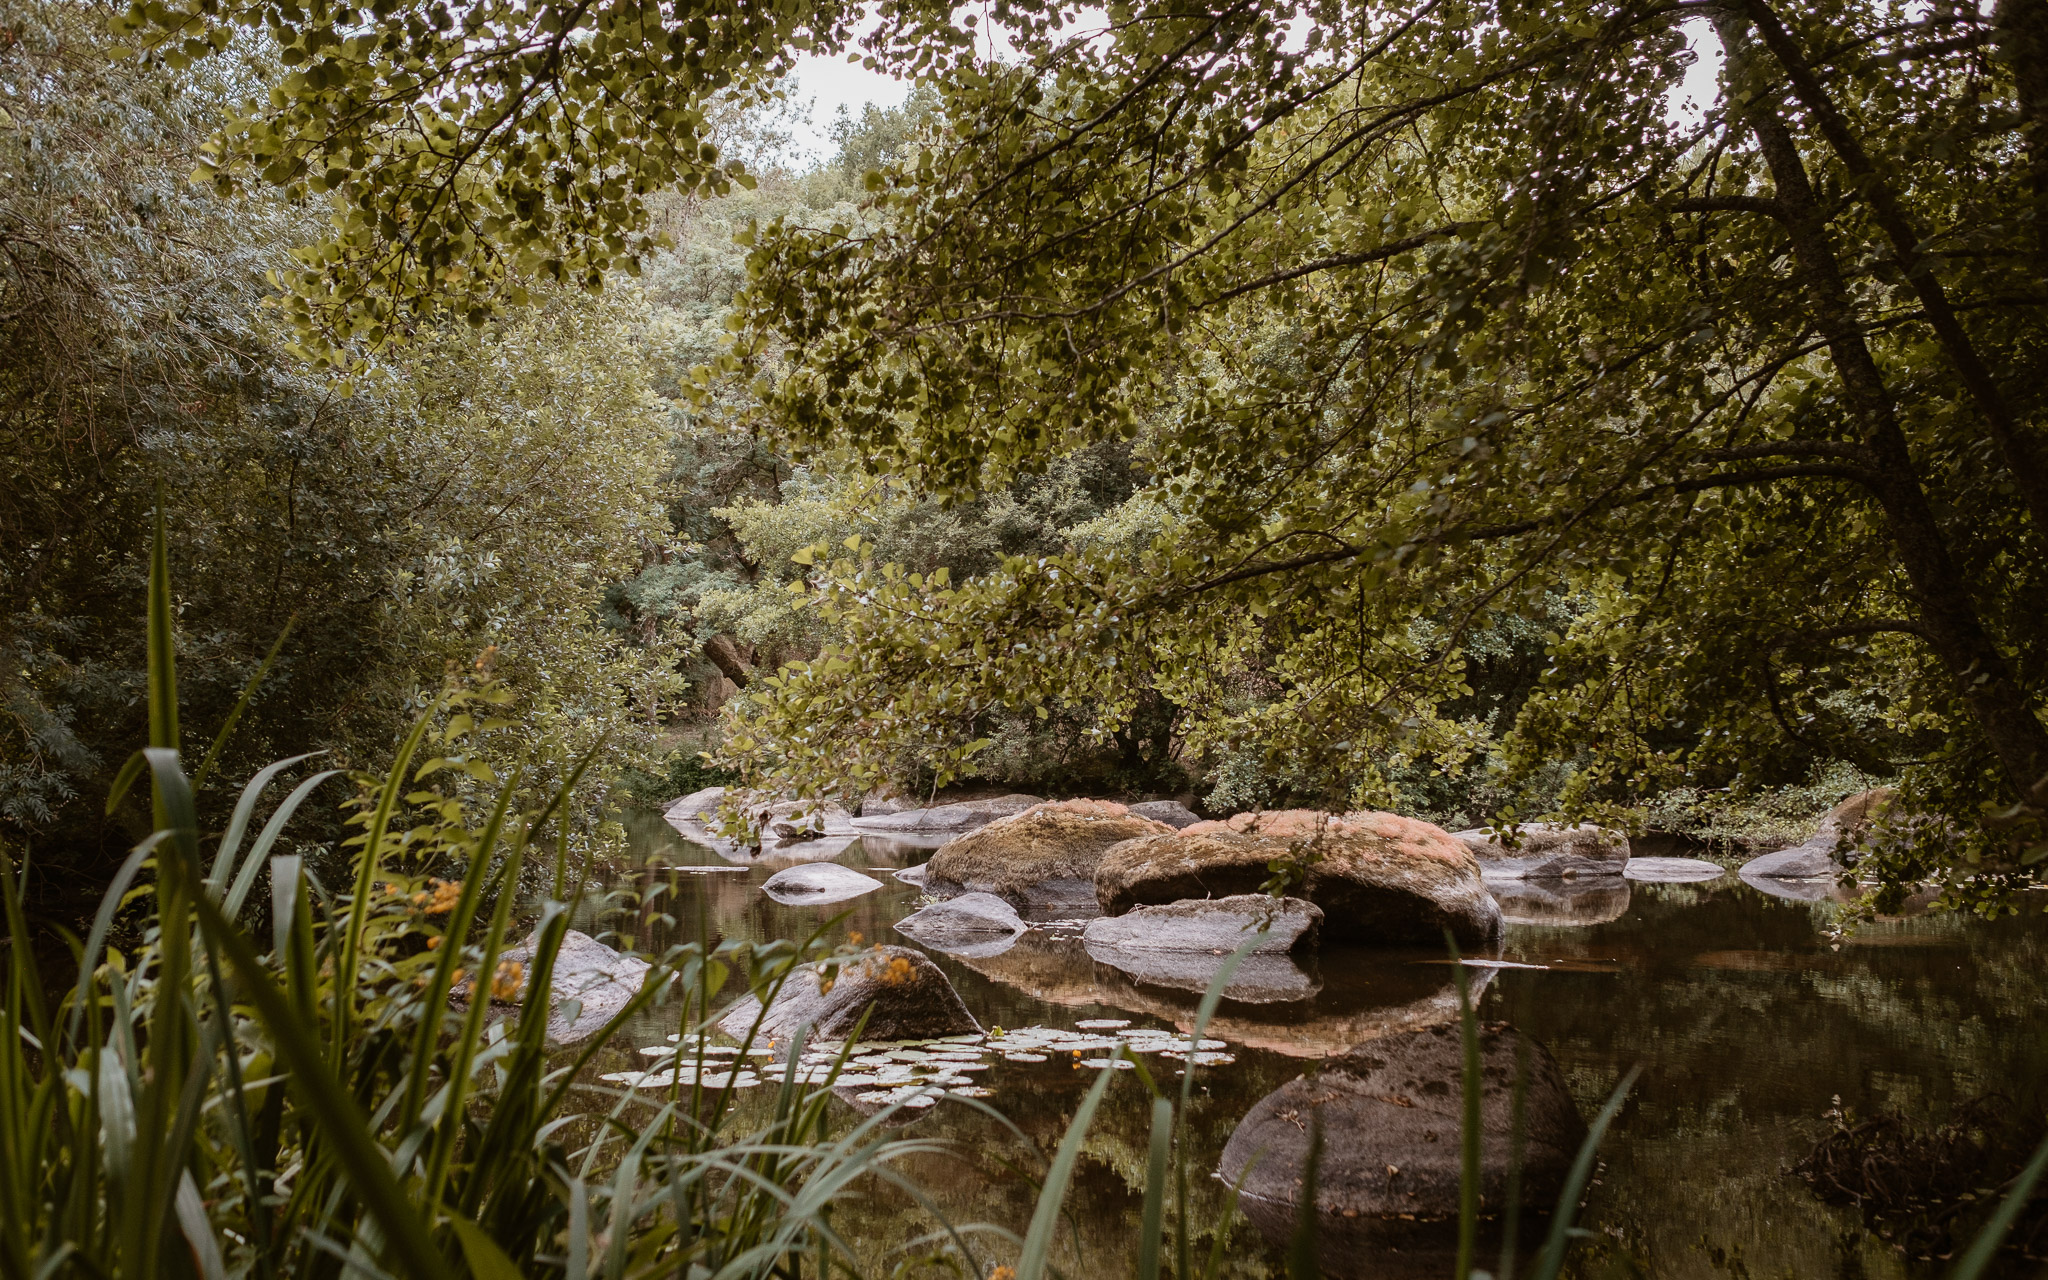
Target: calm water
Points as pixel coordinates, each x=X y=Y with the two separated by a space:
x=1747 y=1018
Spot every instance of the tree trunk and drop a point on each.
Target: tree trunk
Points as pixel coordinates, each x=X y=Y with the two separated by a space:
x=2015 y=444
x=1984 y=679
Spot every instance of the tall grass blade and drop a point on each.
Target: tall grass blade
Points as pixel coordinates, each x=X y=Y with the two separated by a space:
x=1986 y=1245
x=163 y=663
x=1152 y=1224
x=1045 y=1217
x=1469 y=1171
x=1301 y=1250
x=1551 y=1260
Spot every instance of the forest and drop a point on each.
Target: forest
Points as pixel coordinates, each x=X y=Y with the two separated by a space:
x=1345 y=424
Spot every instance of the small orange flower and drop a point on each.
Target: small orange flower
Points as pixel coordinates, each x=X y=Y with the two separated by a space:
x=505 y=984
x=898 y=972
x=433 y=944
x=854 y=937
x=443 y=899
x=1002 y=1273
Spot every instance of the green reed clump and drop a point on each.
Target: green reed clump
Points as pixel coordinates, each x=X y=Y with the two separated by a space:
x=340 y=1101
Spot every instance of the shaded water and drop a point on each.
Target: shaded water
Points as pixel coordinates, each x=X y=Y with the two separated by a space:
x=1748 y=1020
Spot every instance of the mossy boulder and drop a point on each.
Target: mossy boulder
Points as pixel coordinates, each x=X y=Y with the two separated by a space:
x=1380 y=879
x=1041 y=860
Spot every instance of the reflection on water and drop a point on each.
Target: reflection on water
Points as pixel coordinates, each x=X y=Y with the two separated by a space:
x=1746 y=1017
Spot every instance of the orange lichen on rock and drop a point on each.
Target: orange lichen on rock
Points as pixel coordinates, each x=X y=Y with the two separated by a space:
x=1082 y=808
x=1408 y=835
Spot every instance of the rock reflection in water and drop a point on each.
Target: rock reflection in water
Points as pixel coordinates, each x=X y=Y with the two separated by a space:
x=1359 y=995
x=1390 y=1112
x=1257 y=980
x=1809 y=889
x=900 y=848
x=1561 y=902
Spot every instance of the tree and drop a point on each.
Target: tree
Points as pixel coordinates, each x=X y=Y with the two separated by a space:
x=1417 y=322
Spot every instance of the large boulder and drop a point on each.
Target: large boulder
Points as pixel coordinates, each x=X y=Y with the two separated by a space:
x=695 y=807
x=1041 y=860
x=1850 y=821
x=590 y=984
x=1391 y=1112
x=1544 y=851
x=965 y=815
x=1380 y=879
x=817 y=883
x=1821 y=854
x=1171 y=812
x=909 y=997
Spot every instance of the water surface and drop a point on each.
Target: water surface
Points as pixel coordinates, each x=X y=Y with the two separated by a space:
x=1748 y=1016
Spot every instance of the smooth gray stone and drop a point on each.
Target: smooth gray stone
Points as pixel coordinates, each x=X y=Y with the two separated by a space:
x=1171 y=812
x=1211 y=925
x=816 y=883
x=967 y=815
x=913 y=875
x=1672 y=870
x=910 y=1000
x=694 y=807
x=1803 y=862
x=590 y=984
x=969 y=915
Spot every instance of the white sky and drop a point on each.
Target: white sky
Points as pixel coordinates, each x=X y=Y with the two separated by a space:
x=830 y=83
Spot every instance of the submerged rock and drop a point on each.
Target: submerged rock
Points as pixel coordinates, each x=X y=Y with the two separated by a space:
x=590 y=983
x=1042 y=859
x=1171 y=812
x=1185 y=945
x=1561 y=902
x=1380 y=879
x=815 y=883
x=909 y=997
x=966 y=815
x=1390 y=1112
x=1673 y=870
x=1544 y=851
x=974 y=924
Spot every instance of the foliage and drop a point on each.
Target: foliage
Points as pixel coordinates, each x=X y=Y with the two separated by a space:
x=1447 y=311
x=1434 y=321
x=478 y=488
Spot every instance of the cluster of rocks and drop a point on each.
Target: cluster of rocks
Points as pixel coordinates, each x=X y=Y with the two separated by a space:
x=1167 y=898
